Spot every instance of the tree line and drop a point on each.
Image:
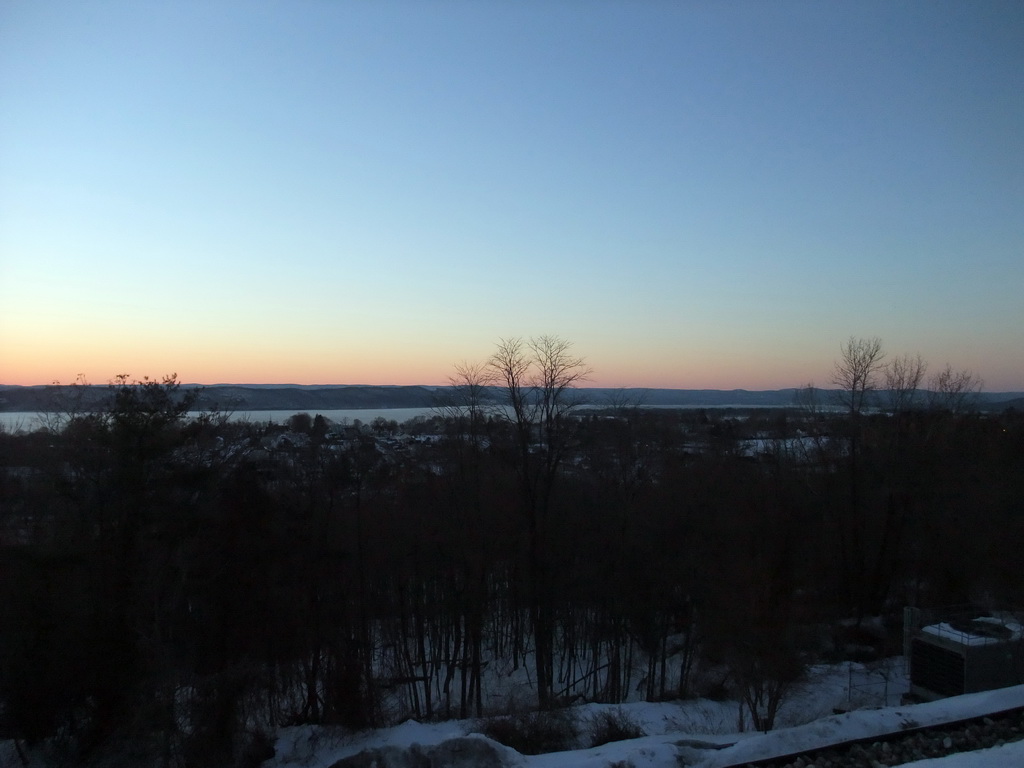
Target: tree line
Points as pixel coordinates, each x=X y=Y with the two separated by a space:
x=176 y=587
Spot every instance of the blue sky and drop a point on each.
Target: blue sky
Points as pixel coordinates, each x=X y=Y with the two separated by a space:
x=696 y=194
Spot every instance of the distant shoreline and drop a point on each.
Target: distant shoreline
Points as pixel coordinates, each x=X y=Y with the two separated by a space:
x=300 y=398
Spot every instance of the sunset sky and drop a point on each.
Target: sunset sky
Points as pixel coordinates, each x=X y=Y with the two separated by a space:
x=697 y=194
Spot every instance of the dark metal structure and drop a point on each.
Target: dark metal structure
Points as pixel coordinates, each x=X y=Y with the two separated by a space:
x=963 y=652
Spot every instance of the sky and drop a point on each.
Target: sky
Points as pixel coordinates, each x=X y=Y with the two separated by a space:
x=695 y=194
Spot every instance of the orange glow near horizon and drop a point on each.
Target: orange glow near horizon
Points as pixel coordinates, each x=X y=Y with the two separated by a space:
x=41 y=371
x=102 y=369
x=35 y=375
x=37 y=361
x=39 y=355
x=62 y=358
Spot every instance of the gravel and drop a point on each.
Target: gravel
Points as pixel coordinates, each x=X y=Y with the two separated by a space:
x=913 y=745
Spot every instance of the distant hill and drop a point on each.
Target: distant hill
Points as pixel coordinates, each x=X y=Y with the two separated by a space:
x=287 y=397
x=231 y=397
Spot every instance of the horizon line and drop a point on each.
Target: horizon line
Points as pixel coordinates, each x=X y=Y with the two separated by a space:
x=450 y=384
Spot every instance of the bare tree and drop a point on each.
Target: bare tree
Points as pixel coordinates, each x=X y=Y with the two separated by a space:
x=856 y=375
x=766 y=668
x=856 y=371
x=509 y=368
x=67 y=403
x=808 y=400
x=538 y=378
x=903 y=377
x=556 y=373
x=468 y=397
x=470 y=383
x=953 y=391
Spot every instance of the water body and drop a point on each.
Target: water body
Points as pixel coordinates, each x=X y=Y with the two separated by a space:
x=339 y=416
x=26 y=421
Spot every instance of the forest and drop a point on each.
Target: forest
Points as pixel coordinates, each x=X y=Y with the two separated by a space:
x=175 y=585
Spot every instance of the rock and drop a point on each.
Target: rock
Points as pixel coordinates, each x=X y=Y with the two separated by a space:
x=466 y=753
x=463 y=752
x=386 y=757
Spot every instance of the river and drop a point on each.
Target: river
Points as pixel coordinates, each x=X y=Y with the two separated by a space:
x=27 y=421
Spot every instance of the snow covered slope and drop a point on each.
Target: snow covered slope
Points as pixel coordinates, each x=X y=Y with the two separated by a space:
x=692 y=733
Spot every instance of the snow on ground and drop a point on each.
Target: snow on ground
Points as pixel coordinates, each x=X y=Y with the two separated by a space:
x=866 y=723
x=703 y=733
x=699 y=733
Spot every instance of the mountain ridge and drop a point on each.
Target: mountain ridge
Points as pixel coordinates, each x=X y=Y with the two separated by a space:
x=269 y=397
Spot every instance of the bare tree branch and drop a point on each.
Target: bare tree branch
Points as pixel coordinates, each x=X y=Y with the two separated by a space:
x=903 y=376
x=856 y=371
x=953 y=391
